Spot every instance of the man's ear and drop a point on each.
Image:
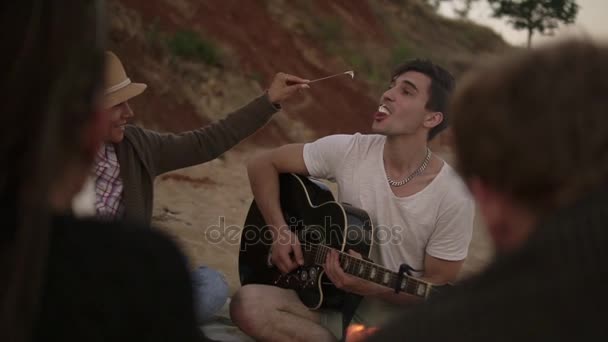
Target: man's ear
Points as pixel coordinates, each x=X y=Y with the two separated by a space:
x=433 y=119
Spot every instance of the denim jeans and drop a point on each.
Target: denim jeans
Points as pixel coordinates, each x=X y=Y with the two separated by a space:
x=210 y=292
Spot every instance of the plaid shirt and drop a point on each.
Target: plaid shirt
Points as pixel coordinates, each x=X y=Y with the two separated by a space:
x=108 y=185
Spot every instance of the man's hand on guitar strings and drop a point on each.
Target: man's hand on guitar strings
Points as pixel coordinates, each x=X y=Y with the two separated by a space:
x=286 y=251
x=344 y=281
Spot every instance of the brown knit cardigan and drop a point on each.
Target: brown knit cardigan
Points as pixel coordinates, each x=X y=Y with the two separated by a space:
x=144 y=154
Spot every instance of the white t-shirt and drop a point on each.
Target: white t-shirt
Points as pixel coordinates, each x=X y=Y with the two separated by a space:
x=437 y=220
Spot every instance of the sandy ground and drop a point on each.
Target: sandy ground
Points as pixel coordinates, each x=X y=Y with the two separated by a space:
x=204 y=208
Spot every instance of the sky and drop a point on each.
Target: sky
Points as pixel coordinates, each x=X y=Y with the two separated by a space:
x=591 y=20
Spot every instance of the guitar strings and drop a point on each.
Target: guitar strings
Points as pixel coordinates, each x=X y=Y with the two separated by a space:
x=364 y=268
x=321 y=251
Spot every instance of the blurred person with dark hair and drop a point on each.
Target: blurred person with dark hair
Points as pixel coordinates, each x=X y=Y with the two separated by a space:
x=421 y=212
x=66 y=279
x=531 y=135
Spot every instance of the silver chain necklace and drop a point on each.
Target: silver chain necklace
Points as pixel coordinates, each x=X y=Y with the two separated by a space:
x=414 y=174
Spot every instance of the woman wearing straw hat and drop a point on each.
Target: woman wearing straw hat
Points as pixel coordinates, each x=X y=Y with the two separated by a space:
x=132 y=157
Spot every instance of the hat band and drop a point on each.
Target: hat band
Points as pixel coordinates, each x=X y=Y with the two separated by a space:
x=118 y=86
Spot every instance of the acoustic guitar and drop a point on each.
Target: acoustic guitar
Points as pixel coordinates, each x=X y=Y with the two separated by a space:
x=321 y=224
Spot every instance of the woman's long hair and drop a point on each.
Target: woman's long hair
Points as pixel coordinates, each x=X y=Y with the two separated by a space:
x=51 y=66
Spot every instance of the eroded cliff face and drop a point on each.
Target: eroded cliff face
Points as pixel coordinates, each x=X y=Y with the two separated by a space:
x=256 y=39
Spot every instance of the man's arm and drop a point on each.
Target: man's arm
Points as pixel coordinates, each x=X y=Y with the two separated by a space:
x=439 y=271
x=444 y=257
x=263 y=174
x=436 y=271
x=169 y=152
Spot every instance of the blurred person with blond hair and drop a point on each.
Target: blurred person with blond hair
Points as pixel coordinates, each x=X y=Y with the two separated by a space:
x=531 y=139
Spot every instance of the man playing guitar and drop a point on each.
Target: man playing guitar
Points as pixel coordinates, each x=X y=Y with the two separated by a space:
x=421 y=210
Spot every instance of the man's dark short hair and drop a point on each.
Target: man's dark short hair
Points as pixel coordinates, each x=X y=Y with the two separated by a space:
x=442 y=84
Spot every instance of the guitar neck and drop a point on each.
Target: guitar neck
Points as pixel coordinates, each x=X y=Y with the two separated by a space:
x=373 y=272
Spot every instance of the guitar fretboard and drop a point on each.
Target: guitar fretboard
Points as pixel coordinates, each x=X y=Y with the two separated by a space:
x=367 y=270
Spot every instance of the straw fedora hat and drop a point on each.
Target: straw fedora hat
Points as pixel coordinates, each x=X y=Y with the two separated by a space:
x=119 y=87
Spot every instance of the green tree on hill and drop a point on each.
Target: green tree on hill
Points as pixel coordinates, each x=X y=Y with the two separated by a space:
x=542 y=16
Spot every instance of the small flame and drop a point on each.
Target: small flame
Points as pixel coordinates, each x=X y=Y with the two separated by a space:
x=356 y=328
x=358 y=332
